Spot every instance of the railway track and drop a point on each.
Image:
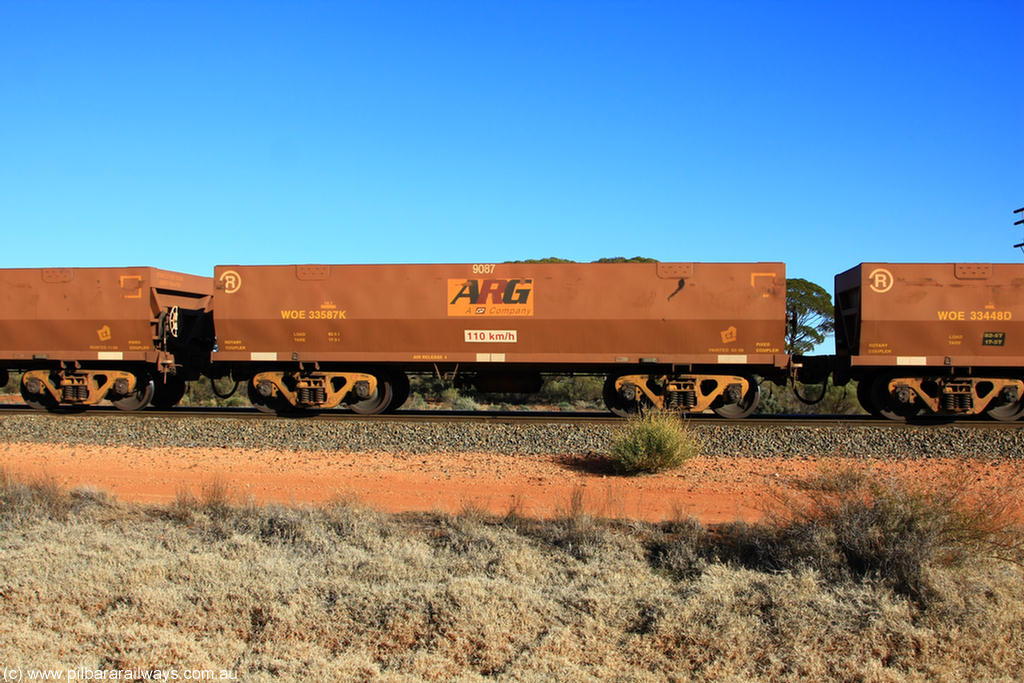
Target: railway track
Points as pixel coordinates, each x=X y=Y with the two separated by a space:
x=432 y=432
x=515 y=417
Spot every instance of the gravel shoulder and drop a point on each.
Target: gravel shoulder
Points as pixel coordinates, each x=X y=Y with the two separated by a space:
x=729 y=439
x=535 y=470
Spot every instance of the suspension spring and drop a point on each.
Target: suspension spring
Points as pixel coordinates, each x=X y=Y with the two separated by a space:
x=964 y=402
x=957 y=402
x=72 y=393
x=312 y=395
x=681 y=400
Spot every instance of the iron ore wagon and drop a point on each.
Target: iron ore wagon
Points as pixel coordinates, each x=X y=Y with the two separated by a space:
x=944 y=338
x=686 y=336
x=82 y=335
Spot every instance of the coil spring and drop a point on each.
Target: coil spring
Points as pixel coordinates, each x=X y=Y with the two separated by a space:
x=958 y=402
x=681 y=400
x=73 y=393
x=312 y=395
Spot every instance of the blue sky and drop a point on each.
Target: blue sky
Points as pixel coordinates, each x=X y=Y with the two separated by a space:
x=186 y=134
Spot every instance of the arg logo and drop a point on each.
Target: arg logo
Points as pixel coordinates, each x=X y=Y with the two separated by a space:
x=490 y=297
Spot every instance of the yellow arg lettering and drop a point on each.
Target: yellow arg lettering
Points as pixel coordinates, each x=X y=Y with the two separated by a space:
x=312 y=314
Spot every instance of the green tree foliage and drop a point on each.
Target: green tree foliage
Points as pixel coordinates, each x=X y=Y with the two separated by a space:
x=623 y=259
x=611 y=259
x=548 y=259
x=809 y=315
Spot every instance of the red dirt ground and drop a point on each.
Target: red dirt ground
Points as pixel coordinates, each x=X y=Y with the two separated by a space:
x=708 y=488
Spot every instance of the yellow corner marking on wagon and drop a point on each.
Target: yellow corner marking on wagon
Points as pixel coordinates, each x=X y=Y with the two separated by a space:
x=132 y=284
x=766 y=291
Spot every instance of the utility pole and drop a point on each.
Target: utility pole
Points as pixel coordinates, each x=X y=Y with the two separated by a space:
x=1020 y=222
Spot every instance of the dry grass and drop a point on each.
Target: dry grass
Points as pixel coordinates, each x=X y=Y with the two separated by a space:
x=348 y=593
x=890 y=528
x=20 y=499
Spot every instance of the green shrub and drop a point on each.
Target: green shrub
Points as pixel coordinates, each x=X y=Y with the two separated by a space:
x=464 y=403
x=841 y=400
x=653 y=442
x=449 y=395
x=416 y=402
x=572 y=389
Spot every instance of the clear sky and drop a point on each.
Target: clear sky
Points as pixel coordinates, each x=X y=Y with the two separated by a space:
x=823 y=134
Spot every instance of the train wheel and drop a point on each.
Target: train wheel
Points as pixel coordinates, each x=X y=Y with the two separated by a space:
x=267 y=404
x=399 y=391
x=888 y=407
x=169 y=392
x=145 y=389
x=380 y=401
x=39 y=401
x=742 y=408
x=1008 y=412
x=864 y=396
x=617 y=403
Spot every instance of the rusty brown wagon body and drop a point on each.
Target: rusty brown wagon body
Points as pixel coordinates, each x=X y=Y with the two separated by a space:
x=943 y=337
x=683 y=335
x=79 y=335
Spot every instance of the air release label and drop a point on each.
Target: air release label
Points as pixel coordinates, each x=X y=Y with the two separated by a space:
x=492 y=336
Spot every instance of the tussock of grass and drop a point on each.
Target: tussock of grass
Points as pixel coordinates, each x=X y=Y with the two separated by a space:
x=344 y=592
x=854 y=524
x=21 y=500
x=653 y=442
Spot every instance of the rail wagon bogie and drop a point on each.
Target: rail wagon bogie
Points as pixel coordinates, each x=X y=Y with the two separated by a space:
x=938 y=338
x=78 y=336
x=683 y=336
